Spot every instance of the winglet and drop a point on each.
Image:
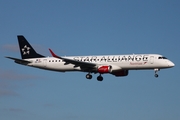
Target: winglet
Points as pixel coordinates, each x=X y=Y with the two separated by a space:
x=53 y=54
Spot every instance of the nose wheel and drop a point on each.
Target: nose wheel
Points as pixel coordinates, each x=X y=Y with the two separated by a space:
x=156 y=75
x=156 y=70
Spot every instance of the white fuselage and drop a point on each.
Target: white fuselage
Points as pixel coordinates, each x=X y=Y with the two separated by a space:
x=118 y=62
x=117 y=65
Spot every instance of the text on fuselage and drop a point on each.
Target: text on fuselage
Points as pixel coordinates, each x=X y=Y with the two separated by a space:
x=112 y=58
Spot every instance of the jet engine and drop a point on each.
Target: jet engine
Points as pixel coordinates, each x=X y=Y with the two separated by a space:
x=120 y=73
x=104 y=69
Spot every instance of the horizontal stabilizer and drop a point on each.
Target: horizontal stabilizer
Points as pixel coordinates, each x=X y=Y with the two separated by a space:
x=19 y=61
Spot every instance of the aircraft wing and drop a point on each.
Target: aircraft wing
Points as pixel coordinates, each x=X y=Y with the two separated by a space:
x=75 y=62
x=20 y=61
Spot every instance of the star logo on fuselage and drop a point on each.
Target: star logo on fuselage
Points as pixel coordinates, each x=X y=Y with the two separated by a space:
x=25 y=50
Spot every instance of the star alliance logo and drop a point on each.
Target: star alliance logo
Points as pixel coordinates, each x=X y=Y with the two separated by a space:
x=25 y=50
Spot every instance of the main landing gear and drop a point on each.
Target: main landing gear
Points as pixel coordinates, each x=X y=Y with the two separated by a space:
x=99 y=78
x=89 y=76
x=156 y=70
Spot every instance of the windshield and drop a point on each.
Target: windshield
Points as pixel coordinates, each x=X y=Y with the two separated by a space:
x=162 y=58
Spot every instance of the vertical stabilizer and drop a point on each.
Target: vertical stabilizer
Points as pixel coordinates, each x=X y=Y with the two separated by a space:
x=26 y=49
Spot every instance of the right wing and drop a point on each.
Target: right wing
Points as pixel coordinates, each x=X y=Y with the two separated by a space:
x=75 y=62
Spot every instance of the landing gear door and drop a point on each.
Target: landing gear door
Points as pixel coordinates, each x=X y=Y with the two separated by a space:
x=151 y=59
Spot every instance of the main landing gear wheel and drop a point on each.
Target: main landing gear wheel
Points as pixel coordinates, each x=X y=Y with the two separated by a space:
x=156 y=70
x=100 y=78
x=89 y=76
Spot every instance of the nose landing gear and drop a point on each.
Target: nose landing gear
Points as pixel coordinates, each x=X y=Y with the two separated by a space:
x=156 y=70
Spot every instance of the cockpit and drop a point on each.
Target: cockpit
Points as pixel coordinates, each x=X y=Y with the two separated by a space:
x=162 y=57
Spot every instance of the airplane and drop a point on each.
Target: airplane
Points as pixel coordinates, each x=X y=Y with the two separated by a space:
x=117 y=65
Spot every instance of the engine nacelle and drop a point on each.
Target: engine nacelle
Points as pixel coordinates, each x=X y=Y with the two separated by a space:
x=104 y=69
x=120 y=73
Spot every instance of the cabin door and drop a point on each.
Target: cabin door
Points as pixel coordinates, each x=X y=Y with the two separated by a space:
x=45 y=62
x=151 y=59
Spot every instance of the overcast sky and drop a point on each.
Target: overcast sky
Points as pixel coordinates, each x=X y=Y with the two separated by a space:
x=89 y=27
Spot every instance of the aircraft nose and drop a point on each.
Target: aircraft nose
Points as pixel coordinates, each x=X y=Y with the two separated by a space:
x=171 y=64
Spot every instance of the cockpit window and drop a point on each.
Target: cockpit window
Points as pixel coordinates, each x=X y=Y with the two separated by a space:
x=162 y=58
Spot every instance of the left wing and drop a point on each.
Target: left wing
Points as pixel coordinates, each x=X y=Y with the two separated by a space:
x=75 y=62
